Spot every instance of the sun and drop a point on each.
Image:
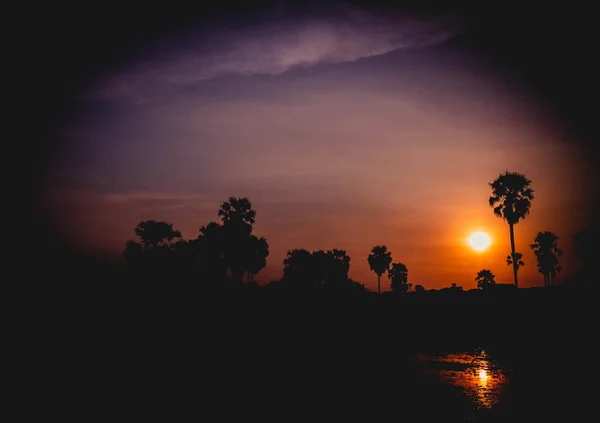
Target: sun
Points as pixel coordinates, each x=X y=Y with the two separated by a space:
x=479 y=241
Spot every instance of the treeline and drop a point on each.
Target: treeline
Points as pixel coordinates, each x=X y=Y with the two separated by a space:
x=227 y=253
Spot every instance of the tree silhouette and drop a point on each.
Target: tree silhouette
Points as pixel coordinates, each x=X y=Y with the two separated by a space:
x=237 y=212
x=156 y=251
x=319 y=268
x=238 y=217
x=259 y=251
x=485 y=278
x=133 y=253
x=517 y=257
x=398 y=274
x=209 y=248
x=511 y=199
x=379 y=261
x=338 y=266
x=419 y=288
x=454 y=286
x=153 y=234
x=545 y=248
x=297 y=268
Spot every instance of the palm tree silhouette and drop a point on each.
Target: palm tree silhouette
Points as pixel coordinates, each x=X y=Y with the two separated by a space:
x=485 y=278
x=511 y=259
x=511 y=199
x=545 y=248
x=398 y=275
x=238 y=212
x=237 y=216
x=379 y=262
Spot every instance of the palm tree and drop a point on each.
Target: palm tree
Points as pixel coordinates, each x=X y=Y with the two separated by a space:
x=237 y=216
x=379 y=262
x=516 y=258
x=511 y=199
x=398 y=275
x=238 y=212
x=485 y=278
x=545 y=248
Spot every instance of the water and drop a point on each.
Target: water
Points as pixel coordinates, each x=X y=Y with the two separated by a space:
x=478 y=376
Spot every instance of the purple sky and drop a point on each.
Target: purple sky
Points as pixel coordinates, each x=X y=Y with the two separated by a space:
x=346 y=130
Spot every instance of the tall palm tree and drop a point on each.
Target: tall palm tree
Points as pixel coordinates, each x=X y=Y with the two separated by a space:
x=379 y=262
x=516 y=257
x=545 y=248
x=485 y=278
x=511 y=199
x=238 y=216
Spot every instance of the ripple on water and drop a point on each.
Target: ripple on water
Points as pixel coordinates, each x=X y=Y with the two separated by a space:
x=482 y=380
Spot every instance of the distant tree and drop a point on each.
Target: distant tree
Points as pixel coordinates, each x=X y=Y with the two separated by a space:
x=419 y=288
x=511 y=198
x=517 y=257
x=238 y=212
x=398 y=275
x=155 y=246
x=237 y=216
x=209 y=249
x=456 y=287
x=259 y=251
x=545 y=248
x=317 y=268
x=183 y=255
x=485 y=278
x=379 y=261
x=337 y=267
x=154 y=234
x=297 y=268
x=133 y=252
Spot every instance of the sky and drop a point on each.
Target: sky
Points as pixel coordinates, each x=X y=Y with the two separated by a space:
x=346 y=125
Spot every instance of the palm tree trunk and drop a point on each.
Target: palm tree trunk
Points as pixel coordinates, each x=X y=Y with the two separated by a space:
x=512 y=247
x=378 y=283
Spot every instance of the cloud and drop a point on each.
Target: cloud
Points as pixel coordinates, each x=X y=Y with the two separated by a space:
x=273 y=48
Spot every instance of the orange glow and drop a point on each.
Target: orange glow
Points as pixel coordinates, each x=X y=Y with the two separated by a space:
x=479 y=241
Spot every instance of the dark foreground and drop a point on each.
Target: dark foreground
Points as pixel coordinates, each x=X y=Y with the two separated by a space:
x=133 y=350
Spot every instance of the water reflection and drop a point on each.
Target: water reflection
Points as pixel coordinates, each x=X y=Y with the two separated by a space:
x=478 y=376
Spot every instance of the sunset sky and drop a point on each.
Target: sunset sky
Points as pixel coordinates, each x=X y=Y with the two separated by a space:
x=346 y=127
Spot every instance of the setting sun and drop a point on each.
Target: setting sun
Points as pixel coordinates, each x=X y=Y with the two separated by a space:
x=479 y=241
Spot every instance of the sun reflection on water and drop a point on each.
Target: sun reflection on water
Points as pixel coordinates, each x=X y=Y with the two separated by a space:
x=474 y=373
